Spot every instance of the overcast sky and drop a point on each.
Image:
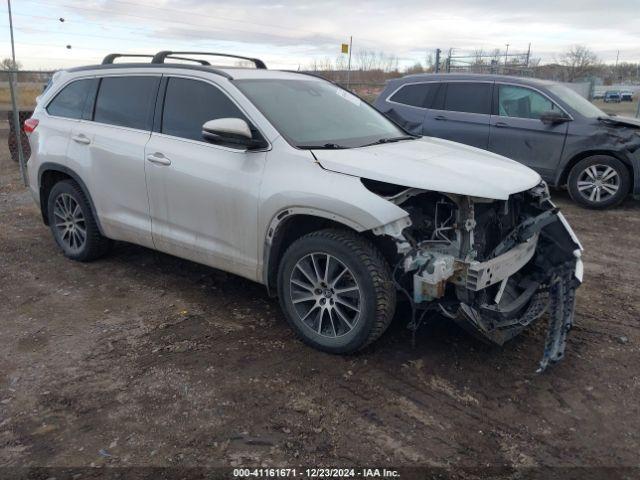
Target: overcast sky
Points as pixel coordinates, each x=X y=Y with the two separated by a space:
x=290 y=33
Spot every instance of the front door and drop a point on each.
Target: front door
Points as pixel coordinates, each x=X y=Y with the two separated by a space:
x=203 y=197
x=518 y=133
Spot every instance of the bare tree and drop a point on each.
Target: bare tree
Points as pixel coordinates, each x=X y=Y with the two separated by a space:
x=8 y=64
x=579 y=61
x=365 y=59
x=415 y=68
x=478 y=60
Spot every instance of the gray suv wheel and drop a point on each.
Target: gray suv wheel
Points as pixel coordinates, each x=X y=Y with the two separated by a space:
x=599 y=181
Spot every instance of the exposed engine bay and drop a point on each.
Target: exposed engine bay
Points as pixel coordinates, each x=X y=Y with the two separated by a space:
x=492 y=266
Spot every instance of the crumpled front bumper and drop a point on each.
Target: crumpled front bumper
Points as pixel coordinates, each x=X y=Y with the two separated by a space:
x=547 y=249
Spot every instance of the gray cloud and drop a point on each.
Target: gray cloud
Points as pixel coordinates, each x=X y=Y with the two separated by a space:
x=314 y=28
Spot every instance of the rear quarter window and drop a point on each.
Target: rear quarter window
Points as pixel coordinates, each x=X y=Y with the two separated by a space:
x=70 y=101
x=416 y=95
x=127 y=101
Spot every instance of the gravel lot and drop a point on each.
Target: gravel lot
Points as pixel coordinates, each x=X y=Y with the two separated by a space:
x=144 y=359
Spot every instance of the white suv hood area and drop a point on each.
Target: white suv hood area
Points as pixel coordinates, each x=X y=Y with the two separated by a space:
x=433 y=164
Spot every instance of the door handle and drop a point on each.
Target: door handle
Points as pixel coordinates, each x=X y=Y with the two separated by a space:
x=81 y=139
x=158 y=159
x=440 y=117
x=501 y=124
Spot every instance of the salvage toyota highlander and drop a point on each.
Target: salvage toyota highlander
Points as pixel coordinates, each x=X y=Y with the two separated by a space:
x=289 y=180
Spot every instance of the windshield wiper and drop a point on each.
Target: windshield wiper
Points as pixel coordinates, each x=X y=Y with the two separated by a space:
x=326 y=146
x=391 y=140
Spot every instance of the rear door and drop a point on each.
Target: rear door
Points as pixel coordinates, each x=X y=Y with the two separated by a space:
x=461 y=113
x=109 y=146
x=518 y=133
x=63 y=114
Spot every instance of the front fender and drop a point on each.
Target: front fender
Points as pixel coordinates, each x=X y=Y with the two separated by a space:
x=294 y=183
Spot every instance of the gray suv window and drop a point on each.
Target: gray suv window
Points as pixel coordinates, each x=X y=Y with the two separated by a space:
x=69 y=103
x=416 y=94
x=468 y=97
x=190 y=103
x=521 y=102
x=126 y=101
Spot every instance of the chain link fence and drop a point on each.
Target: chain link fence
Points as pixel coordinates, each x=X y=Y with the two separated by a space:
x=18 y=93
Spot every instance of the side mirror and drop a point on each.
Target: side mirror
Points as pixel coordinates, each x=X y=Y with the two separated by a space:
x=230 y=131
x=553 y=116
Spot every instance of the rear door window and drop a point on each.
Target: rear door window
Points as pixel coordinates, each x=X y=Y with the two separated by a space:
x=189 y=104
x=126 y=101
x=70 y=102
x=522 y=102
x=468 y=97
x=416 y=95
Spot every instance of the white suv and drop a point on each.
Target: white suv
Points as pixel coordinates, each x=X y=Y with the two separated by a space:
x=289 y=180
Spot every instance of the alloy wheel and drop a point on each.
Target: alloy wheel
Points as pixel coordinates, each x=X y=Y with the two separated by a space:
x=325 y=295
x=70 y=222
x=598 y=183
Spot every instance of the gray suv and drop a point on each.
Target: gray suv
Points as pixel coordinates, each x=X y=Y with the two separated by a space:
x=542 y=124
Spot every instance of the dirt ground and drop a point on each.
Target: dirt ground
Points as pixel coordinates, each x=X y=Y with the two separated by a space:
x=624 y=109
x=148 y=360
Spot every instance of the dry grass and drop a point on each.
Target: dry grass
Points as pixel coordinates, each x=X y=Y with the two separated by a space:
x=626 y=109
x=27 y=94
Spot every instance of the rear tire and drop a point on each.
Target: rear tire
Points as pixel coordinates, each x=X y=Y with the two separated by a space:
x=336 y=291
x=599 y=182
x=72 y=223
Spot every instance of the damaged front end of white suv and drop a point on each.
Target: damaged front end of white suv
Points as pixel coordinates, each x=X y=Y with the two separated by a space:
x=492 y=266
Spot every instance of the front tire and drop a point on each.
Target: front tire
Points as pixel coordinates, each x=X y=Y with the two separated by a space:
x=72 y=223
x=336 y=291
x=599 y=182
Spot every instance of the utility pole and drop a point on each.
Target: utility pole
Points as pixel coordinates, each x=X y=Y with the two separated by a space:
x=528 y=54
x=438 y=51
x=506 y=52
x=14 y=100
x=349 y=63
x=449 y=60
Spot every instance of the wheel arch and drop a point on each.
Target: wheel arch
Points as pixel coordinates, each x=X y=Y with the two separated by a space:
x=51 y=173
x=292 y=223
x=564 y=174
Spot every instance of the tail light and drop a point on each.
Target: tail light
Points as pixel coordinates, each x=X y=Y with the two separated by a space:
x=30 y=125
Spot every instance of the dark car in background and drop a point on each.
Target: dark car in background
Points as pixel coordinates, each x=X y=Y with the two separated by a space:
x=544 y=125
x=612 y=97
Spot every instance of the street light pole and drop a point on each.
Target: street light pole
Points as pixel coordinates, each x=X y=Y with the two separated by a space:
x=506 y=52
x=349 y=64
x=14 y=100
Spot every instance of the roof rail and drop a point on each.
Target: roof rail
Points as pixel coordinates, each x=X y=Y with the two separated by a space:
x=112 y=56
x=161 y=56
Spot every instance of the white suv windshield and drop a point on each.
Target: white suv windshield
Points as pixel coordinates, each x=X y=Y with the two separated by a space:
x=576 y=101
x=317 y=114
